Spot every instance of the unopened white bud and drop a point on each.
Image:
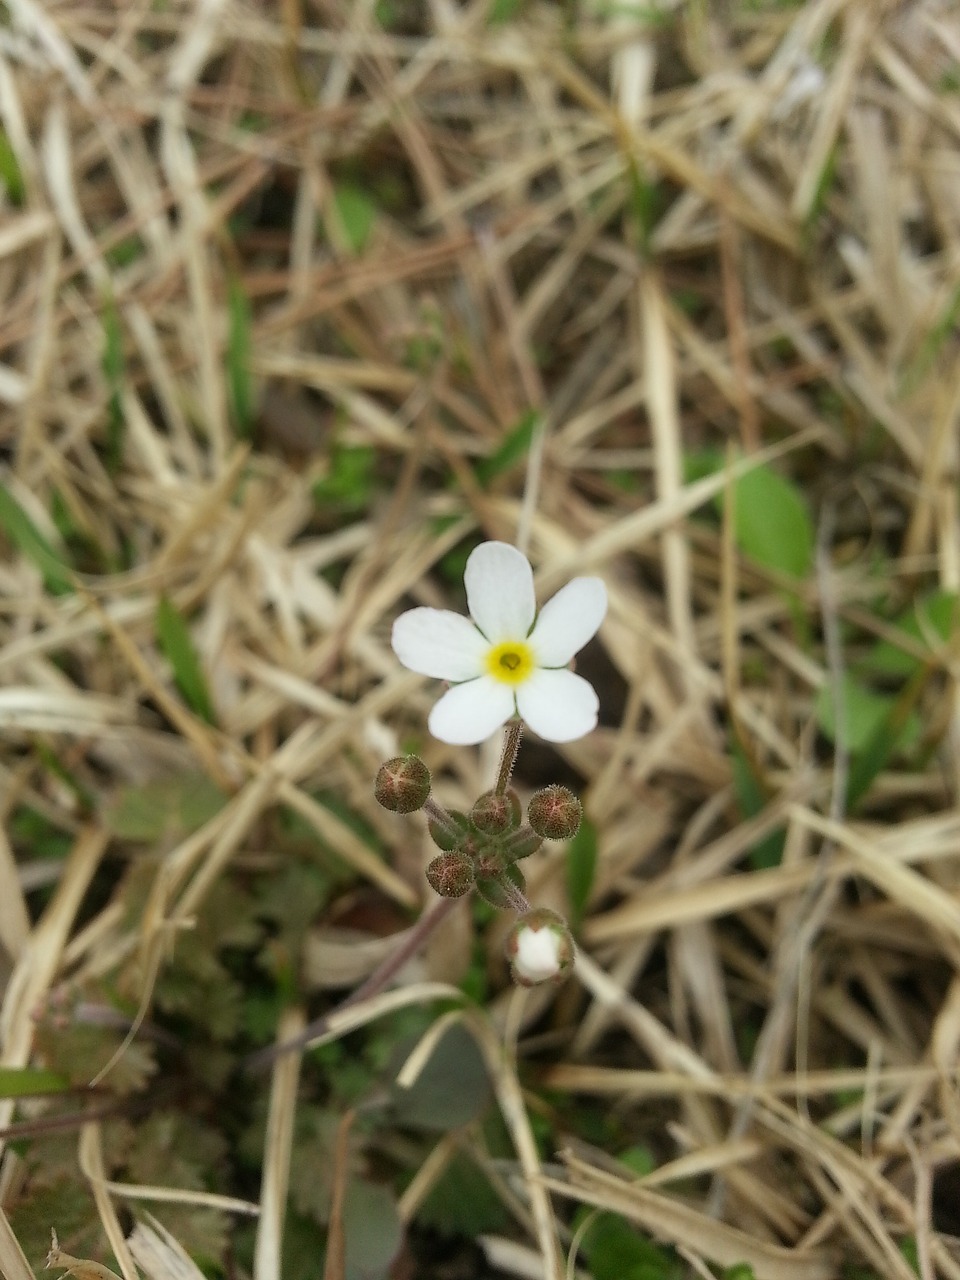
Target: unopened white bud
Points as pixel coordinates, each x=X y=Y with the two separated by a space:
x=539 y=948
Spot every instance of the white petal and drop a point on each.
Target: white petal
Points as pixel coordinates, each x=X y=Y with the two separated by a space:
x=568 y=621
x=499 y=584
x=538 y=954
x=558 y=705
x=435 y=642
x=471 y=712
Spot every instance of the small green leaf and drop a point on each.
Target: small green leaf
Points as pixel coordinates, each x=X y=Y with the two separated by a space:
x=239 y=345
x=168 y=807
x=26 y=1082
x=878 y=725
x=462 y=1202
x=372 y=1230
x=897 y=729
x=866 y=713
x=25 y=535
x=772 y=523
x=173 y=636
x=639 y=1160
x=514 y=446
x=927 y=624
x=348 y=484
x=581 y=868
x=615 y=1251
x=356 y=213
x=504 y=11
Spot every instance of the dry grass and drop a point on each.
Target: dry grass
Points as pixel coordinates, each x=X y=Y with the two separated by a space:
x=783 y=1039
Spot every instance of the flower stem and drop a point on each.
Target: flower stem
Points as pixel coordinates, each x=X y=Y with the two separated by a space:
x=411 y=942
x=508 y=757
x=440 y=816
x=518 y=899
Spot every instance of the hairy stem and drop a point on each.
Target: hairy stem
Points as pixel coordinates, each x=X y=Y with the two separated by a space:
x=440 y=816
x=508 y=757
x=517 y=898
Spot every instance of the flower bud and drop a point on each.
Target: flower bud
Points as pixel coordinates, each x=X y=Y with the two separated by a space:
x=555 y=813
x=539 y=948
x=402 y=784
x=450 y=875
x=495 y=814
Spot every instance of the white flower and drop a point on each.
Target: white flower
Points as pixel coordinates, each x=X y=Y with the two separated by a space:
x=502 y=664
x=539 y=947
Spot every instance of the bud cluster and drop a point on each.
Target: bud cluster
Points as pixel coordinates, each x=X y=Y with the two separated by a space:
x=480 y=850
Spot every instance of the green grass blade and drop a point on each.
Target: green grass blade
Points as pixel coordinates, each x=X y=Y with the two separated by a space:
x=581 y=869
x=173 y=636
x=113 y=371
x=239 y=346
x=25 y=535
x=514 y=447
x=29 y=1082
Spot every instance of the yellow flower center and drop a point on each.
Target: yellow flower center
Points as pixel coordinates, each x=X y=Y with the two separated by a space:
x=510 y=662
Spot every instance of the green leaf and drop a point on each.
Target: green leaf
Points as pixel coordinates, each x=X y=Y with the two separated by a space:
x=866 y=714
x=928 y=624
x=372 y=1229
x=25 y=535
x=173 y=636
x=910 y=1251
x=639 y=1160
x=615 y=1251
x=878 y=725
x=899 y=728
x=514 y=446
x=167 y=808
x=772 y=523
x=113 y=371
x=356 y=213
x=452 y=1089
x=462 y=1202
x=348 y=483
x=239 y=345
x=26 y=1082
x=581 y=868
x=504 y=11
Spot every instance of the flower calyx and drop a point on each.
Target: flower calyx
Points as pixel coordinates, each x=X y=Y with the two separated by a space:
x=495 y=814
x=555 y=812
x=540 y=948
x=450 y=874
x=402 y=784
